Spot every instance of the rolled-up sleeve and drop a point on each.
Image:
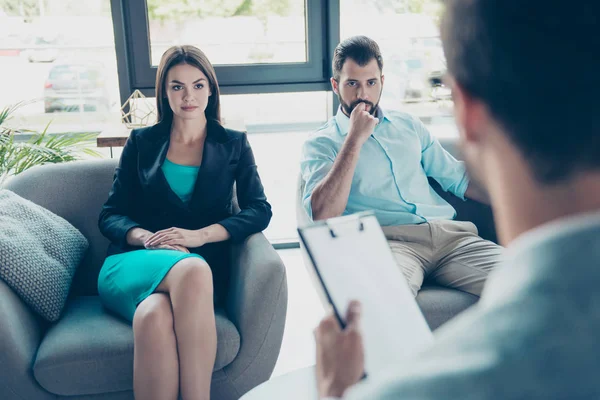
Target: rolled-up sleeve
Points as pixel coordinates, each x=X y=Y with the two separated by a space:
x=318 y=155
x=440 y=165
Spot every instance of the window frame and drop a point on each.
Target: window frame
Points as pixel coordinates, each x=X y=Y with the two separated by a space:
x=136 y=72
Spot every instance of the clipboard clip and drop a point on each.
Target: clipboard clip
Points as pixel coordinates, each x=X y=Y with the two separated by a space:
x=331 y=225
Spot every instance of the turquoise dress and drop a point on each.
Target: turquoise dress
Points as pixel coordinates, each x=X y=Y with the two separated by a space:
x=126 y=279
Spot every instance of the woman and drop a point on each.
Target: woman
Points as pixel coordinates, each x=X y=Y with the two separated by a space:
x=169 y=217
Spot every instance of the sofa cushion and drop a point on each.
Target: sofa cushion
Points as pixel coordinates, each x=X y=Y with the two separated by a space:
x=90 y=351
x=439 y=304
x=39 y=253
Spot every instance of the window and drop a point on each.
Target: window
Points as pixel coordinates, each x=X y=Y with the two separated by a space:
x=231 y=32
x=277 y=126
x=256 y=46
x=60 y=60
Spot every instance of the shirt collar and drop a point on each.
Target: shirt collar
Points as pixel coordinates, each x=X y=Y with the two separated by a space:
x=343 y=121
x=561 y=227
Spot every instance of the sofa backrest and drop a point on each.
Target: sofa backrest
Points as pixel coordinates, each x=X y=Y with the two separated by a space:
x=76 y=191
x=480 y=214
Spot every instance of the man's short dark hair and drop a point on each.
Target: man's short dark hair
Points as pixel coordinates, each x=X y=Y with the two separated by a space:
x=536 y=65
x=361 y=49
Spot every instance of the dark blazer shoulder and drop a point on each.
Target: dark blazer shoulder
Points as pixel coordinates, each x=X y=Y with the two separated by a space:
x=236 y=138
x=150 y=133
x=234 y=135
x=220 y=134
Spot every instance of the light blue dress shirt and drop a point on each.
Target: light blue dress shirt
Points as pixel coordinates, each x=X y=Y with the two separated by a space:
x=391 y=174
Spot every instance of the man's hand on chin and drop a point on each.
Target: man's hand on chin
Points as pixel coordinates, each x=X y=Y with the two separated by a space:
x=340 y=353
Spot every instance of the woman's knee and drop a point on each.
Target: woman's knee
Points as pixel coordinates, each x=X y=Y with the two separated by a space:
x=154 y=315
x=192 y=275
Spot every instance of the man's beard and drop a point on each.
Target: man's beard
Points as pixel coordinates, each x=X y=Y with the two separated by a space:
x=348 y=108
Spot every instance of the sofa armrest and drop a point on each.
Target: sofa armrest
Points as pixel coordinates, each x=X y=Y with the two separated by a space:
x=257 y=305
x=21 y=332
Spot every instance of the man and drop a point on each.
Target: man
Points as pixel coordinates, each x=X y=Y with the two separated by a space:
x=524 y=75
x=369 y=159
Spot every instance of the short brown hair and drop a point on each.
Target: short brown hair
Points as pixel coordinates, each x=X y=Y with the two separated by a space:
x=190 y=55
x=534 y=65
x=361 y=49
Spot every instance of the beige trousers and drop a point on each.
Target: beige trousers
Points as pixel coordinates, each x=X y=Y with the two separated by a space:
x=449 y=253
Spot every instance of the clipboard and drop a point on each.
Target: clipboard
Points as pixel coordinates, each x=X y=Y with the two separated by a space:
x=348 y=259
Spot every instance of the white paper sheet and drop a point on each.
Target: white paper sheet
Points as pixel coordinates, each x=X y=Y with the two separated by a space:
x=358 y=265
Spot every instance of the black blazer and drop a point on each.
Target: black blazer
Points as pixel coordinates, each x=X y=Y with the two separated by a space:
x=141 y=196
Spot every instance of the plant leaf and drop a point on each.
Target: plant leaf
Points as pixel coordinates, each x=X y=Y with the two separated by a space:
x=41 y=148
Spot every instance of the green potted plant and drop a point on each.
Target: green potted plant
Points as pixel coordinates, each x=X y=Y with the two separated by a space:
x=18 y=156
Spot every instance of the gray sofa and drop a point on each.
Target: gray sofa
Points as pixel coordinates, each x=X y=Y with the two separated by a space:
x=88 y=354
x=438 y=304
